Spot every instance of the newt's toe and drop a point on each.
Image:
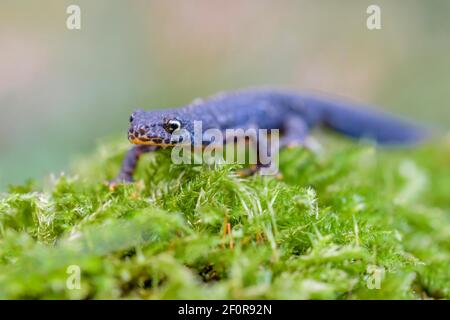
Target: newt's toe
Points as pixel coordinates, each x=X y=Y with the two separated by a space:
x=279 y=176
x=247 y=172
x=294 y=145
x=113 y=184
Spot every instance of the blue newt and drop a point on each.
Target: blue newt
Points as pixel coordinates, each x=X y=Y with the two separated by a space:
x=293 y=114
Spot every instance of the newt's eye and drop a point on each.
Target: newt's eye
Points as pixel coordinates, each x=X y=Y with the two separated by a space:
x=131 y=118
x=173 y=125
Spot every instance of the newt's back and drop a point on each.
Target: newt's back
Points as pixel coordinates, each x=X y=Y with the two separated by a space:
x=270 y=109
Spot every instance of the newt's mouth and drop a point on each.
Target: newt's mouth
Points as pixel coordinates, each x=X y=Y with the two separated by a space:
x=149 y=141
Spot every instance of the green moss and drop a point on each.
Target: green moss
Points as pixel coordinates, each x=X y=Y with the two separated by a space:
x=333 y=225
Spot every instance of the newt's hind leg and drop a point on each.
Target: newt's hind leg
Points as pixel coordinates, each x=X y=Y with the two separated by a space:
x=296 y=133
x=129 y=164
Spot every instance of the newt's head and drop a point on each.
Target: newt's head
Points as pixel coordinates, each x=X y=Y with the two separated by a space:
x=154 y=127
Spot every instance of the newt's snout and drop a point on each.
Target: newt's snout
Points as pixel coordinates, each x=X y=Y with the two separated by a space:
x=143 y=135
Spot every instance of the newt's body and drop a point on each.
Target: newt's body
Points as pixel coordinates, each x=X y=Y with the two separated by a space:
x=292 y=113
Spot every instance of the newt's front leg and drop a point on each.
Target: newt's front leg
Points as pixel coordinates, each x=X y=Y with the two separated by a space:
x=129 y=164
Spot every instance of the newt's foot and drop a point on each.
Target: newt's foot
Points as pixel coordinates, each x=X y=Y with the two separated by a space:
x=255 y=169
x=313 y=145
x=292 y=145
x=279 y=176
x=310 y=144
x=247 y=172
x=112 y=184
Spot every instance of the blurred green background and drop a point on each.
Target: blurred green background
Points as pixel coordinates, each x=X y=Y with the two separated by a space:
x=63 y=91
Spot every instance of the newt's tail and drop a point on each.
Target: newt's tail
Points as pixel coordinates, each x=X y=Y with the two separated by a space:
x=360 y=122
